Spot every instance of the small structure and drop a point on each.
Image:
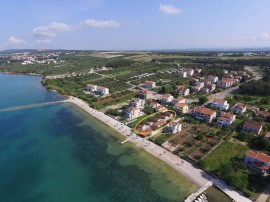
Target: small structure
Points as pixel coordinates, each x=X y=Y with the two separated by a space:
x=181 y=107
x=183 y=74
x=166 y=98
x=149 y=84
x=252 y=126
x=138 y=103
x=220 y=104
x=97 y=89
x=239 y=108
x=174 y=127
x=132 y=112
x=257 y=161
x=213 y=79
x=182 y=90
x=226 y=82
x=178 y=100
x=145 y=94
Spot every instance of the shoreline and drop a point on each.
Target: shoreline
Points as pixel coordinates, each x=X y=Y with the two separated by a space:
x=22 y=73
x=200 y=178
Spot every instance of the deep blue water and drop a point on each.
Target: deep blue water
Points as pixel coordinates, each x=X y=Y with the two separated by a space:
x=58 y=153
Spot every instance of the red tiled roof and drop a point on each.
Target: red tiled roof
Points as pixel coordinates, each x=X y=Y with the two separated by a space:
x=219 y=100
x=227 y=114
x=167 y=95
x=253 y=124
x=267 y=135
x=223 y=118
x=203 y=110
x=240 y=105
x=90 y=84
x=180 y=105
x=259 y=156
x=150 y=82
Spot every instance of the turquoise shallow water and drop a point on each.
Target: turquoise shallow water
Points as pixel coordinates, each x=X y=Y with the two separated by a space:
x=59 y=153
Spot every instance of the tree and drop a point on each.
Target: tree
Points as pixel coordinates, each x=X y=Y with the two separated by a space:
x=203 y=99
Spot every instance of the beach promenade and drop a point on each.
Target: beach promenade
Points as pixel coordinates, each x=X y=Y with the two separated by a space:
x=196 y=175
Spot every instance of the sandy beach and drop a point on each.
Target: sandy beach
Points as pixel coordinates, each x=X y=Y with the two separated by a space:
x=196 y=175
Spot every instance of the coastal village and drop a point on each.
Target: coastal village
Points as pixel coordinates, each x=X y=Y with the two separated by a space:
x=182 y=115
x=148 y=114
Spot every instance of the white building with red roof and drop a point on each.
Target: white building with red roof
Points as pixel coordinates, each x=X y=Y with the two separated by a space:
x=178 y=100
x=213 y=79
x=149 y=84
x=133 y=112
x=91 y=88
x=166 y=98
x=239 y=108
x=174 y=127
x=138 y=103
x=257 y=161
x=220 y=104
x=97 y=89
x=203 y=113
x=226 y=82
x=225 y=119
x=182 y=90
x=252 y=126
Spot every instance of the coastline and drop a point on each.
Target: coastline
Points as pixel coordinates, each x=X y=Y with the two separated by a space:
x=185 y=168
x=200 y=178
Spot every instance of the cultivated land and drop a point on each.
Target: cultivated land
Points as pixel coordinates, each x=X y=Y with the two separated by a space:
x=217 y=149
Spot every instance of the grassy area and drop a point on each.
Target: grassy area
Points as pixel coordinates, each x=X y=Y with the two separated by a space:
x=250 y=100
x=161 y=138
x=214 y=194
x=223 y=155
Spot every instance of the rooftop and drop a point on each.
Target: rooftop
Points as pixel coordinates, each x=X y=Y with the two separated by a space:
x=253 y=124
x=259 y=156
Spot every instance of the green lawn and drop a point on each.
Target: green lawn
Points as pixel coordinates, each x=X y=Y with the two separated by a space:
x=223 y=155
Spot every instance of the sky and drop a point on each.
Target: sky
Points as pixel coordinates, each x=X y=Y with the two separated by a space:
x=134 y=24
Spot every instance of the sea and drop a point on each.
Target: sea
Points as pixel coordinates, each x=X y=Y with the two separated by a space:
x=59 y=153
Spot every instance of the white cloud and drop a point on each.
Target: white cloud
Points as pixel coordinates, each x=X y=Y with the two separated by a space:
x=15 y=41
x=51 y=30
x=43 y=41
x=264 y=36
x=260 y=37
x=169 y=9
x=99 y=23
x=55 y=27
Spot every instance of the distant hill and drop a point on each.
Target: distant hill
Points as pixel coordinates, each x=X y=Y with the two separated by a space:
x=13 y=51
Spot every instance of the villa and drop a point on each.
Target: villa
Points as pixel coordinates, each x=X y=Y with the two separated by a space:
x=178 y=100
x=174 y=127
x=239 y=108
x=149 y=84
x=203 y=113
x=181 y=107
x=166 y=98
x=257 y=161
x=252 y=126
x=97 y=89
x=182 y=90
x=213 y=79
x=225 y=119
x=138 y=103
x=132 y=113
x=220 y=104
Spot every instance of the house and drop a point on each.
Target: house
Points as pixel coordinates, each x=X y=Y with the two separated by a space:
x=183 y=74
x=197 y=70
x=178 y=100
x=145 y=94
x=205 y=90
x=195 y=89
x=213 y=79
x=160 y=123
x=239 y=108
x=220 y=104
x=267 y=136
x=226 y=82
x=210 y=86
x=149 y=84
x=257 y=161
x=132 y=112
x=174 y=127
x=97 y=89
x=182 y=90
x=166 y=98
x=91 y=88
x=160 y=108
x=200 y=84
x=203 y=113
x=102 y=90
x=181 y=107
x=252 y=126
x=190 y=72
x=154 y=104
x=225 y=119
x=138 y=103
